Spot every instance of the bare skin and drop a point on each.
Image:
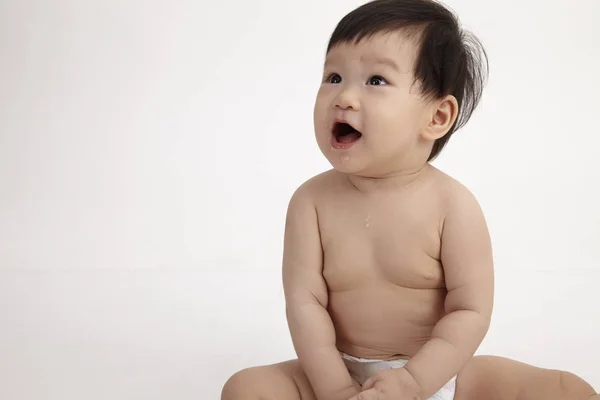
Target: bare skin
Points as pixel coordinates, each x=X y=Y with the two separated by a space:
x=382 y=260
x=367 y=277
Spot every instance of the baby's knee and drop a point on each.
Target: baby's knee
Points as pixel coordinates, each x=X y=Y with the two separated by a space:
x=573 y=387
x=238 y=385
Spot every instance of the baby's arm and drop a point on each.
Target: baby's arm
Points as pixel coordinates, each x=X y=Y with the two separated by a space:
x=310 y=325
x=466 y=256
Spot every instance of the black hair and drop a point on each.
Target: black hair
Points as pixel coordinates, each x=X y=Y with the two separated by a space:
x=450 y=60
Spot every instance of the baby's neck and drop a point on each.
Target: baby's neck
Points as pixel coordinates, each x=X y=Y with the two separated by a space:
x=396 y=180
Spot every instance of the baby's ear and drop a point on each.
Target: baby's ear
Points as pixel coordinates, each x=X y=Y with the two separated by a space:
x=441 y=118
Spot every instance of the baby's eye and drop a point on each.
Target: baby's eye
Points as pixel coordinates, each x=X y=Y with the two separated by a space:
x=333 y=78
x=377 y=81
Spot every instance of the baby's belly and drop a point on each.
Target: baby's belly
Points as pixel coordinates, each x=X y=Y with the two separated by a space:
x=385 y=321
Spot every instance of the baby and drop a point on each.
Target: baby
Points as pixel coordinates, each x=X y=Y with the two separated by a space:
x=387 y=266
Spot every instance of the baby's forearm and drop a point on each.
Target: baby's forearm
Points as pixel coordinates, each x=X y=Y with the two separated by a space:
x=313 y=335
x=454 y=341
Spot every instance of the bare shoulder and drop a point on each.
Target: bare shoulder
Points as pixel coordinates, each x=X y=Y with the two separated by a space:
x=455 y=196
x=302 y=215
x=316 y=188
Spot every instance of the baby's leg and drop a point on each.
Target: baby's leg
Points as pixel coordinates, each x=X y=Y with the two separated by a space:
x=483 y=378
x=497 y=378
x=284 y=381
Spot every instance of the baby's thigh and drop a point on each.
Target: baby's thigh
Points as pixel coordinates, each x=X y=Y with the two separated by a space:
x=497 y=378
x=272 y=382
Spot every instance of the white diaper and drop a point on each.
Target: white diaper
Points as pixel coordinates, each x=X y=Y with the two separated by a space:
x=361 y=369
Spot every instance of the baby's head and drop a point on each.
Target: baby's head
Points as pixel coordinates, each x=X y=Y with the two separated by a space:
x=400 y=77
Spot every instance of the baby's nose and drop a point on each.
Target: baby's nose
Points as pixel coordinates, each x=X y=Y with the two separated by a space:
x=348 y=99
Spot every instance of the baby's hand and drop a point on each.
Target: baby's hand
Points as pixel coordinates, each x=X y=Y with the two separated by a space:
x=390 y=384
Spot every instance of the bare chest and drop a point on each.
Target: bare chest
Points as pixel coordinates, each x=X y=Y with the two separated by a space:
x=366 y=243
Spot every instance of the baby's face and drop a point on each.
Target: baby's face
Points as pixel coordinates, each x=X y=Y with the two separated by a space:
x=368 y=111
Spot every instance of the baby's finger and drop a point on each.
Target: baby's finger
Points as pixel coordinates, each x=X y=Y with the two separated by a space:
x=370 y=394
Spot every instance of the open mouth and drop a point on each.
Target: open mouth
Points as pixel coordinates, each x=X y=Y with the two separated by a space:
x=344 y=134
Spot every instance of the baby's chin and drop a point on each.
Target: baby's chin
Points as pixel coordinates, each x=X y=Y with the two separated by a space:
x=355 y=165
x=346 y=164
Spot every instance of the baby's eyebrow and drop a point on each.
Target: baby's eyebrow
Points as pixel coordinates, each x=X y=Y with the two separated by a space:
x=370 y=60
x=381 y=60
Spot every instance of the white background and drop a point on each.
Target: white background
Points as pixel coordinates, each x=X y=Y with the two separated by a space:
x=148 y=150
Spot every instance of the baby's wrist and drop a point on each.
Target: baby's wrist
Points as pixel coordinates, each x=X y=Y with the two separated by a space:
x=409 y=380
